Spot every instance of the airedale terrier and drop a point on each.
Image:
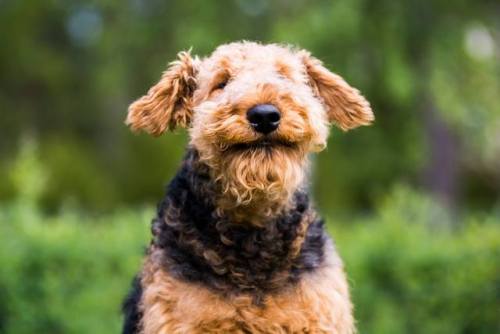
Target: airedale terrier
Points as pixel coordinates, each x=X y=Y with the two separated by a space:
x=237 y=247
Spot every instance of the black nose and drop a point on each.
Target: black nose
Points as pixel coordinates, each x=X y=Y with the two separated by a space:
x=264 y=118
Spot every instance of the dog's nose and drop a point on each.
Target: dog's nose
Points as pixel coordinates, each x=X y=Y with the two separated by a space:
x=264 y=118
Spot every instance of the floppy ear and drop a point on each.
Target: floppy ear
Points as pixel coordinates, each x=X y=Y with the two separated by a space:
x=345 y=105
x=168 y=103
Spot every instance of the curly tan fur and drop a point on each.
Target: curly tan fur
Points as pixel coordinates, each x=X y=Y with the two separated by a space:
x=167 y=104
x=236 y=246
x=319 y=303
x=253 y=74
x=346 y=107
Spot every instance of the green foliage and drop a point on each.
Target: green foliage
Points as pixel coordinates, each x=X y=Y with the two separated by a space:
x=27 y=174
x=71 y=69
x=69 y=273
x=411 y=275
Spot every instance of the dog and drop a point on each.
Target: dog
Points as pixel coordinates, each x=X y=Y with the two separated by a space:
x=236 y=245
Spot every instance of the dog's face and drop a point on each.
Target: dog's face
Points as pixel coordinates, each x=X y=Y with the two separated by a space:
x=254 y=112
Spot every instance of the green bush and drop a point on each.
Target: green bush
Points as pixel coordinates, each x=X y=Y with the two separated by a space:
x=409 y=272
x=66 y=274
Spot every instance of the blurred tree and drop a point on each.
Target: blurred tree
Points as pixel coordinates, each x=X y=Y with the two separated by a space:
x=430 y=69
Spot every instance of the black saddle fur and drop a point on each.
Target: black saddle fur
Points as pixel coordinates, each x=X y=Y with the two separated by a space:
x=200 y=246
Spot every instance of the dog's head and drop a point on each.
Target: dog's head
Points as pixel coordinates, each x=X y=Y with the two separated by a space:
x=254 y=112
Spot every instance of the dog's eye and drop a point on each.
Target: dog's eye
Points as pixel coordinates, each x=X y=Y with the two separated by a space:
x=221 y=85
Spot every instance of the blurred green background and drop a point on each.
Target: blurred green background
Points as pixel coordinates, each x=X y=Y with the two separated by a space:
x=413 y=201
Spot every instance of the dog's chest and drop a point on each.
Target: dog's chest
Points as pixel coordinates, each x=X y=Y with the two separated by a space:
x=319 y=303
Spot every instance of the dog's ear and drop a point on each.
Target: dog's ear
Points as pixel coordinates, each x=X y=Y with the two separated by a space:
x=345 y=105
x=167 y=104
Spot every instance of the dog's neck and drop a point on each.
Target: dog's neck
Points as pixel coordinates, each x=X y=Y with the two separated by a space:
x=199 y=244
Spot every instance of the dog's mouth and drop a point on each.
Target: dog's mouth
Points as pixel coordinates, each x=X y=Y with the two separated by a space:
x=263 y=144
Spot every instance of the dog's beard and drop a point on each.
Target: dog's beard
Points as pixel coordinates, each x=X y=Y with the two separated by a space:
x=256 y=181
x=261 y=174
